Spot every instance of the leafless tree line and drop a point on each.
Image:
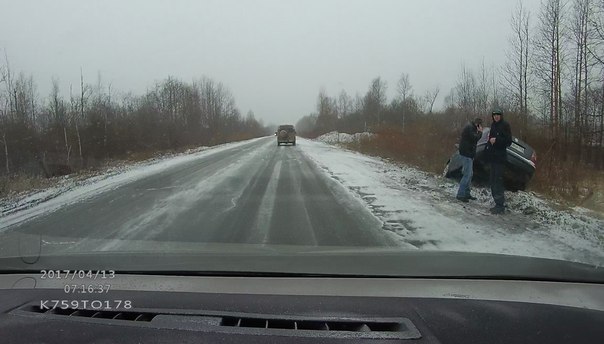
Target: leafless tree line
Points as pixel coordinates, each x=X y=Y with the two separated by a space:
x=55 y=135
x=555 y=75
x=369 y=111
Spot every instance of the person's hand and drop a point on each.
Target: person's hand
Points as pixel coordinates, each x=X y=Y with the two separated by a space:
x=479 y=127
x=492 y=140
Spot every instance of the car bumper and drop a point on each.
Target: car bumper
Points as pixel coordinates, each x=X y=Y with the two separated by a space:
x=520 y=163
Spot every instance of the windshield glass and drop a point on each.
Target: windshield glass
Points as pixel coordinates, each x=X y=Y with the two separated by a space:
x=243 y=129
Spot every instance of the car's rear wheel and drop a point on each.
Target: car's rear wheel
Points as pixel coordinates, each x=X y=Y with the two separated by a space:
x=521 y=186
x=518 y=185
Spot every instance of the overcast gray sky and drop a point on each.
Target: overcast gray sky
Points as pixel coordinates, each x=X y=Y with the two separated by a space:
x=274 y=55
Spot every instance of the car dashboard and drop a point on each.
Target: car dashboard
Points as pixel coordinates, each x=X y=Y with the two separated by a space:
x=239 y=309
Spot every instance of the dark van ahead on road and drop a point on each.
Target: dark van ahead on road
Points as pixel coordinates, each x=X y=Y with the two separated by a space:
x=286 y=134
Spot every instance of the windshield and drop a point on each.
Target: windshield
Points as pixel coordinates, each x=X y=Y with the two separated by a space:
x=450 y=133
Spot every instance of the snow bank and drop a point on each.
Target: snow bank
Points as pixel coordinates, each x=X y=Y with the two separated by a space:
x=422 y=211
x=336 y=137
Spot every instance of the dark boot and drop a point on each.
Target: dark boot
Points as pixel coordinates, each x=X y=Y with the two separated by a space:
x=497 y=210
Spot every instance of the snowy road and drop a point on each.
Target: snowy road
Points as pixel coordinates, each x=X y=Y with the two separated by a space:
x=312 y=194
x=254 y=193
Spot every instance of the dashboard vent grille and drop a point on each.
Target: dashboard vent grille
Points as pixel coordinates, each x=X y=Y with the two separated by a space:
x=242 y=323
x=316 y=325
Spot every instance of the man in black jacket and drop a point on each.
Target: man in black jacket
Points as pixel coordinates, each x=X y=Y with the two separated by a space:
x=467 y=150
x=500 y=138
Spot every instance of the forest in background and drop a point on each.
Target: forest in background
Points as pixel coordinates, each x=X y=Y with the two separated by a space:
x=51 y=136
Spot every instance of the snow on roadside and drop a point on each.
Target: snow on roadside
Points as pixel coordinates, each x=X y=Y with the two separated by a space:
x=421 y=208
x=336 y=137
x=73 y=189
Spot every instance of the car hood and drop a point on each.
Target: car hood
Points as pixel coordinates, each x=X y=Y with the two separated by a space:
x=181 y=258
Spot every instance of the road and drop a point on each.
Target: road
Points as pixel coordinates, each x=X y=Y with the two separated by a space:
x=256 y=193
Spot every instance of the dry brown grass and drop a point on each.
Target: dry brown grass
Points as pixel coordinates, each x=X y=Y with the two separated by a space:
x=560 y=176
x=424 y=144
x=141 y=156
x=570 y=182
x=18 y=184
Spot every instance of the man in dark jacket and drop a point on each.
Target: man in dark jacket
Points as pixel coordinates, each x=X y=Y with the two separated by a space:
x=467 y=150
x=500 y=138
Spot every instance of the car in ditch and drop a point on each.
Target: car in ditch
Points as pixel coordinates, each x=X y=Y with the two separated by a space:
x=519 y=168
x=286 y=134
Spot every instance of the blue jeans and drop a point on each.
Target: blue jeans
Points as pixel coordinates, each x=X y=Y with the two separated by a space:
x=466 y=180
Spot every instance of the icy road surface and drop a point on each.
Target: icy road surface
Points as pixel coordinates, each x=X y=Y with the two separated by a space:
x=312 y=194
x=252 y=193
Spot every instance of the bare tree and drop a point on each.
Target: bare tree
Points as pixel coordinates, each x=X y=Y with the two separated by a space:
x=375 y=101
x=548 y=63
x=306 y=125
x=404 y=87
x=4 y=113
x=484 y=90
x=24 y=100
x=516 y=70
x=430 y=97
x=465 y=93
x=105 y=117
x=74 y=117
x=81 y=116
x=581 y=40
x=404 y=92
x=58 y=111
x=345 y=104
x=4 y=142
x=7 y=78
x=596 y=51
x=327 y=113
x=595 y=48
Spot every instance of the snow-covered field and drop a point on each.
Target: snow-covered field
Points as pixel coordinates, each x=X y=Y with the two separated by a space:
x=422 y=209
